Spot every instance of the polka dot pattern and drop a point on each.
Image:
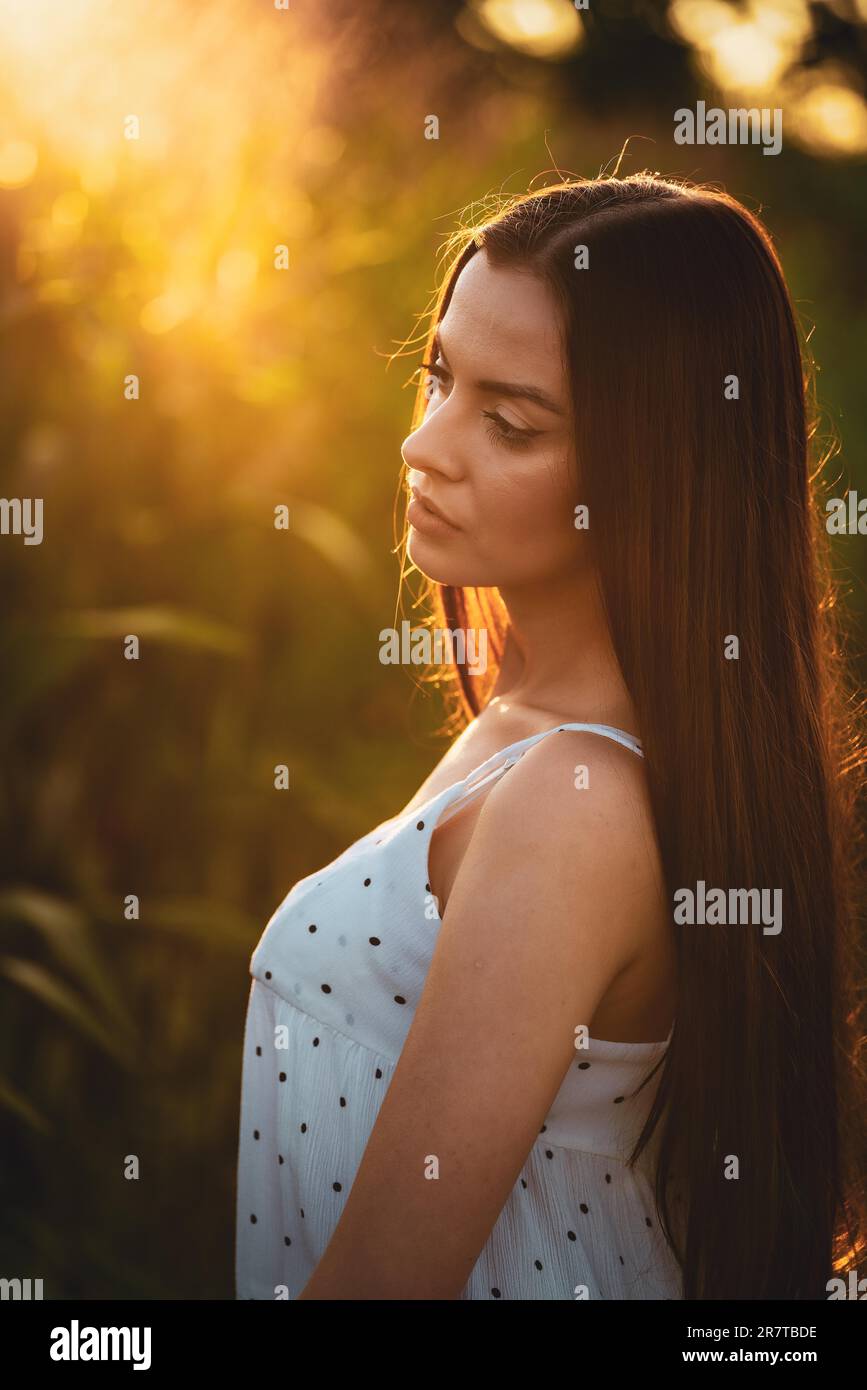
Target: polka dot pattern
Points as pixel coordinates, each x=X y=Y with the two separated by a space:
x=337 y=976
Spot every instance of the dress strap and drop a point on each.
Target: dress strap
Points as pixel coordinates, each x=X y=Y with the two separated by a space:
x=481 y=776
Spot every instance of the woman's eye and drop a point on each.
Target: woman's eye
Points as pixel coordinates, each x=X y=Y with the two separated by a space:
x=436 y=376
x=501 y=432
x=498 y=429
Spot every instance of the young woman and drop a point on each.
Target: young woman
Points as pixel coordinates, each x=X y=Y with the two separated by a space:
x=462 y=1076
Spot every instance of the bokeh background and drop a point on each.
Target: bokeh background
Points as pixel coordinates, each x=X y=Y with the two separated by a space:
x=260 y=127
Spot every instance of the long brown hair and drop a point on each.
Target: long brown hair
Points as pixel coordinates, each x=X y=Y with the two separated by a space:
x=705 y=524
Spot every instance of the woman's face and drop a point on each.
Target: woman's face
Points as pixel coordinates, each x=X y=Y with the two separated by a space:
x=493 y=460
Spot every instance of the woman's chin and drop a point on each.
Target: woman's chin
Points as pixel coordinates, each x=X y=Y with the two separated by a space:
x=432 y=555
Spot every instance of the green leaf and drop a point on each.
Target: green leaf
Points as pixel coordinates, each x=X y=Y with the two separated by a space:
x=64 y=1002
x=64 y=929
x=330 y=535
x=19 y=1105
x=159 y=623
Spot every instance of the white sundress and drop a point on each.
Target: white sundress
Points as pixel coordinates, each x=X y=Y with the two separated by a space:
x=341 y=966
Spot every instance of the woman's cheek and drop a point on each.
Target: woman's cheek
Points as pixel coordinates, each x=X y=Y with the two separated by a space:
x=526 y=500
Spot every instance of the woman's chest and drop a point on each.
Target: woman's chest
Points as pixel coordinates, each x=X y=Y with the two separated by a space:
x=351 y=945
x=449 y=843
x=451 y=835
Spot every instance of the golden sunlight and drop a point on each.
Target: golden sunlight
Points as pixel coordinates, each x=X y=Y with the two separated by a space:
x=540 y=28
x=830 y=119
x=18 y=161
x=743 y=48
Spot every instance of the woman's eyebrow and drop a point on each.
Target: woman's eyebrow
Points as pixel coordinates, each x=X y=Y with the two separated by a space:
x=505 y=388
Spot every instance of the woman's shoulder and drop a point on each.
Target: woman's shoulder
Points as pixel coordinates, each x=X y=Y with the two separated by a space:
x=578 y=778
x=576 y=806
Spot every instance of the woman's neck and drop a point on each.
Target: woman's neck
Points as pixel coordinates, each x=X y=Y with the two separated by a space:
x=559 y=658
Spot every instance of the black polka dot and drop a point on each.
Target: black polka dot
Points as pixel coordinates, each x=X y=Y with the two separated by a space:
x=252 y=1218
x=301 y=1209
x=286 y=1240
x=420 y=825
x=326 y=989
x=496 y=1293
x=523 y=1182
x=312 y=927
x=538 y=1264
x=607 y=1177
x=620 y=1258
x=548 y=1153
x=374 y=940
x=584 y=1207
x=377 y=1073
x=258 y=1052
x=279 y=1158
x=282 y=1076
x=399 y=999
x=343 y=1100
x=338 y=1187
x=618 y=1099
x=571 y=1235
x=647 y=1221
x=267 y=974
x=583 y=1066
x=315 y=1042
x=367 y=883
x=255 y=1134
x=304 y=1128
x=427 y=886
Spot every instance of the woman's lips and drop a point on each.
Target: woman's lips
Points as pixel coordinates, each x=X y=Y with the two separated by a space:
x=426 y=519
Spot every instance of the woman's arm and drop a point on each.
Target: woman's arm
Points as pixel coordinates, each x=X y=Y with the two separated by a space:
x=540 y=920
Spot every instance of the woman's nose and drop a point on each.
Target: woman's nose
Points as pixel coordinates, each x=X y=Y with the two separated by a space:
x=433 y=448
